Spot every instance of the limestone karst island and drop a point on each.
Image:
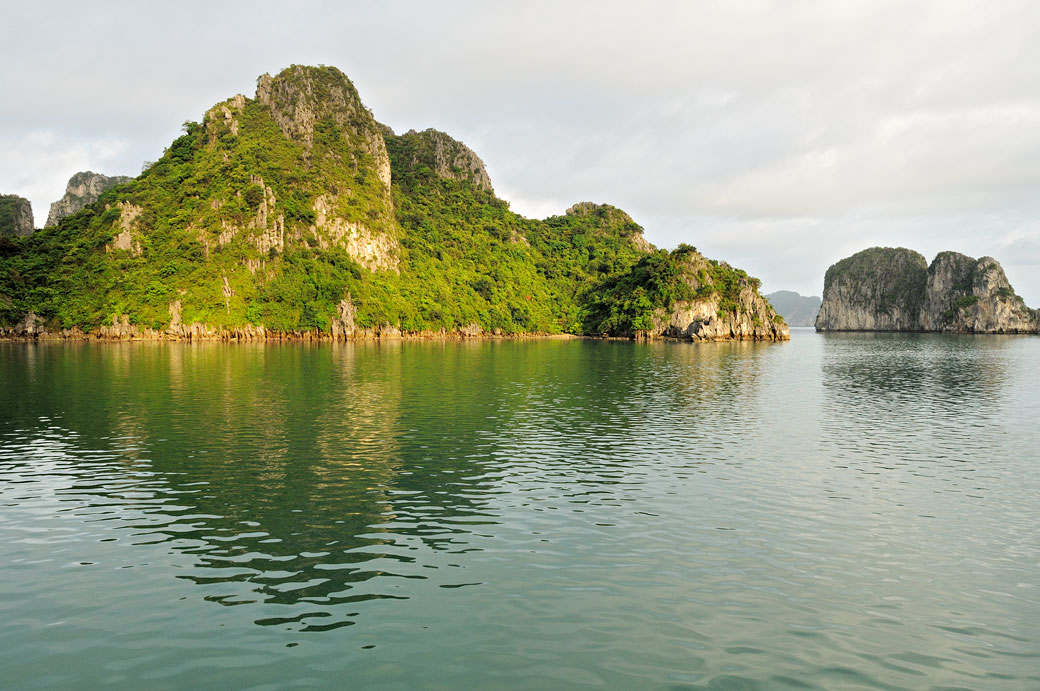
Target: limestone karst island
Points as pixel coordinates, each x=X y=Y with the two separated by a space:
x=296 y=214
x=895 y=289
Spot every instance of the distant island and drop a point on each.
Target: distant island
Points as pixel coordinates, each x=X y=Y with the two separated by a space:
x=797 y=310
x=895 y=289
x=295 y=214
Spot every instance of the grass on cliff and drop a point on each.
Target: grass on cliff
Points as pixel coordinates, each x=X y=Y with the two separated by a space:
x=626 y=303
x=464 y=257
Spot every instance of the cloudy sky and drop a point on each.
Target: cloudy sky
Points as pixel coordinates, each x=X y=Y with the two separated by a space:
x=779 y=136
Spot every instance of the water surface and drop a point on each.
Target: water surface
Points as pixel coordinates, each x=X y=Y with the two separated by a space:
x=840 y=511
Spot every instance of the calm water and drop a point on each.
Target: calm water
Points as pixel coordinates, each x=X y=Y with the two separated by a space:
x=835 y=512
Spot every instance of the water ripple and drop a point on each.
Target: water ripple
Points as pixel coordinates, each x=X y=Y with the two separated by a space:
x=840 y=511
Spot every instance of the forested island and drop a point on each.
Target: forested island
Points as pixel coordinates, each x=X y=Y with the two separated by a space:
x=295 y=214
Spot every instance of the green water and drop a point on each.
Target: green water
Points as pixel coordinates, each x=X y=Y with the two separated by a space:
x=834 y=512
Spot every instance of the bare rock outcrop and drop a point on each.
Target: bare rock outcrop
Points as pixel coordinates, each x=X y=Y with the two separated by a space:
x=968 y=295
x=711 y=318
x=878 y=289
x=606 y=215
x=683 y=295
x=300 y=97
x=16 y=216
x=701 y=320
x=444 y=156
x=372 y=249
x=887 y=289
x=82 y=190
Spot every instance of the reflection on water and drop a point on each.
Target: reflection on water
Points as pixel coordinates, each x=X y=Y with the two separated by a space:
x=841 y=510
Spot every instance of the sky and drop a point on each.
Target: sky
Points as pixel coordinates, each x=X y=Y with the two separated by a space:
x=778 y=136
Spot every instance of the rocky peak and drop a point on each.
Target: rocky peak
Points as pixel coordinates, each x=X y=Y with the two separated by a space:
x=964 y=294
x=885 y=289
x=82 y=190
x=605 y=212
x=16 y=217
x=878 y=289
x=300 y=97
x=444 y=156
x=607 y=216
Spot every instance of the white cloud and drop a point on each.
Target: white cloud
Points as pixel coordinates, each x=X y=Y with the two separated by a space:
x=38 y=164
x=777 y=135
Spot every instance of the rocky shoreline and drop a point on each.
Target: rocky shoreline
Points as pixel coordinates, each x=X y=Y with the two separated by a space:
x=121 y=330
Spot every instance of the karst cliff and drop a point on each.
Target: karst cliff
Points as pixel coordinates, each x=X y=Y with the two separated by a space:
x=82 y=189
x=895 y=289
x=16 y=216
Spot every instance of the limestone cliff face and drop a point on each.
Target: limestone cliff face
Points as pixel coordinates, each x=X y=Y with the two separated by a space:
x=749 y=317
x=302 y=97
x=883 y=289
x=83 y=189
x=878 y=289
x=966 y=295
x=683 y=295
x=16 y=217
x=702 y=320
x=445 y=157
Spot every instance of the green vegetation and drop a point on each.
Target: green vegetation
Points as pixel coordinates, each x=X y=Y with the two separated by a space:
x=626 y=303
x=965 y=301
x=261 y=215
x=15 y=214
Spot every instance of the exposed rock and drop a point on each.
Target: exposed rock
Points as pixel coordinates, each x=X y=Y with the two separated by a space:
x=223 y=117
x=371 y=249
x=683 y=295
x=16 y=217
x=343 y=325
x=197 y=331
x=884 y=289
x=878 y=289
x=797 y=310
x=121 y=329
x=702 y=319
x=125 y=239
x=83 y=189
x=29 y=327
x=445 y=157
x=607 y=215
x=300 y=97
x=973 y=296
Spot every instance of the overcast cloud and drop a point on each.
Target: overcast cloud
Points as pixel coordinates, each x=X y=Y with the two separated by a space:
x=780 y=136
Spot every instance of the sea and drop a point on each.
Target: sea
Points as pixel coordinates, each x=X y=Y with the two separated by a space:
x=841 y=511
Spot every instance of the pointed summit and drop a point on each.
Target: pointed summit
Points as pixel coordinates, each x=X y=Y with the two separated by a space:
x=304 y=98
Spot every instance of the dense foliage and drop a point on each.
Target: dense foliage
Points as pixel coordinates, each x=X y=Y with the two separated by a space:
x=626 y=303
x=233 y=224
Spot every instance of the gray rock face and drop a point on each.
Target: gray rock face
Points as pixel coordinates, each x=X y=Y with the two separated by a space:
x=301 y=97
x=83 y=189
x=701 y=320
x=973 y=296
x=886 y=289
x=16 y=217
x=879 y=289
x=447 y=157
x=797 y=310
x=748 y=318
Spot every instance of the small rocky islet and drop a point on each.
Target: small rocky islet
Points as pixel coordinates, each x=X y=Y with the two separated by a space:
x=896 y=289
x=295 y=214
